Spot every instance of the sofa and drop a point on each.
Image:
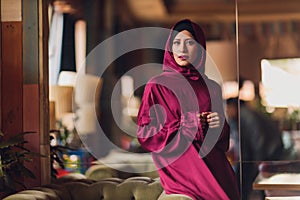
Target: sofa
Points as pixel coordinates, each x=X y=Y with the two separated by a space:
x=137 y=188
x=122 y=164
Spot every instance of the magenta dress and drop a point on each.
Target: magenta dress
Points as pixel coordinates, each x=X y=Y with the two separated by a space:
x=190 y=161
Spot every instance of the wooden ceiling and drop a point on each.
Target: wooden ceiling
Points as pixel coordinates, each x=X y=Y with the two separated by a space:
x=217 y=17
x=166 y=12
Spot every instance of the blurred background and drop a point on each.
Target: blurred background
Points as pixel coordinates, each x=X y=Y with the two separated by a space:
x=254 y=44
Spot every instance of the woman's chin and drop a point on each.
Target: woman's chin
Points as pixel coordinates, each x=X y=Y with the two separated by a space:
x=183 y=64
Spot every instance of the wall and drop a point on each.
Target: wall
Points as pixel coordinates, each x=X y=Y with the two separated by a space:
x=23 y=93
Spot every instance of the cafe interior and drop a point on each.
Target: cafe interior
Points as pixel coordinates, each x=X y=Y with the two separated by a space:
x=73 y=73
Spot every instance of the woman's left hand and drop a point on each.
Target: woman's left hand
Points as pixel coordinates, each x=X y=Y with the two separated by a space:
x=213 y=120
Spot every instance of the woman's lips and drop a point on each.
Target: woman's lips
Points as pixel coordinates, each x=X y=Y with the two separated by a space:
x=183 y=57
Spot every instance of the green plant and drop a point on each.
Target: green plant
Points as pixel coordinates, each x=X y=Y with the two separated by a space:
x=64 y=133
x=13 y=154
x=56 y=152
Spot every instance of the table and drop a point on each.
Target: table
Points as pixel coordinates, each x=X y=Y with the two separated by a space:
x=283 y=198
x=278 y=184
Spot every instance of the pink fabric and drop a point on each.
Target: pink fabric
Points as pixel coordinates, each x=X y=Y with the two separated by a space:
x=189 y=161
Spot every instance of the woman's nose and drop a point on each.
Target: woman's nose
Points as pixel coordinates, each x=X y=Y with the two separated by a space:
x=182 y=47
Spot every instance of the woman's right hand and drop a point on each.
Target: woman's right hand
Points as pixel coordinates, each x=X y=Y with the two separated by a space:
x=203 y=120
x=209 y=120
x=213 y=120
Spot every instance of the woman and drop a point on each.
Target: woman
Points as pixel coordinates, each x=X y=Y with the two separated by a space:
x=181 y=121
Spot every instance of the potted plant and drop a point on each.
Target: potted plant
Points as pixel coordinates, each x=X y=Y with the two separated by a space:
x=13 y=154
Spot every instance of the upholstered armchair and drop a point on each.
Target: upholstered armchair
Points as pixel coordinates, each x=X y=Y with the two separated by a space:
x=138 y=188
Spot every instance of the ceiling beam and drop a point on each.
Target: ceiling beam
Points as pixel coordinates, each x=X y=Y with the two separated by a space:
x=213 y=11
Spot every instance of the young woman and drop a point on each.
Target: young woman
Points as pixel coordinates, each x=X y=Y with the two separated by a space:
x=181 y=121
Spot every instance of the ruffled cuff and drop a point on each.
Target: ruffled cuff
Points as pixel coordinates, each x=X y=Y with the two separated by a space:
x=190 y=126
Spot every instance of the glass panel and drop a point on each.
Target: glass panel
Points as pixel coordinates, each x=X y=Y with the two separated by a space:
x=220 y=29
x=268 y=53
x=118 y=62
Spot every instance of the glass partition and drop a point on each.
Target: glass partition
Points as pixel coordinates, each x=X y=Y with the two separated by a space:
x=268 y=51
x=254 y=46
x=114 y=69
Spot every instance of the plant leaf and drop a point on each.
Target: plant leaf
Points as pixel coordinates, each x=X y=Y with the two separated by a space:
x=22 y=147
x=14 y=140
x=26 y=172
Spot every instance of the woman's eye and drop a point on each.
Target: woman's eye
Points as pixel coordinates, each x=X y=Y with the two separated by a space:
x=176 y=42
x=190 y=42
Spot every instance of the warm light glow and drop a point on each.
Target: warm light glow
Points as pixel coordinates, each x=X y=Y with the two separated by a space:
x=127 y=86
x=280 y=79
x=67 y=78
x=247 y=92
x=132 y=106
x=230 y=89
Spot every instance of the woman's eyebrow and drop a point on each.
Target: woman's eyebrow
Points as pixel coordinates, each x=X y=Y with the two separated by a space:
x=184 y=38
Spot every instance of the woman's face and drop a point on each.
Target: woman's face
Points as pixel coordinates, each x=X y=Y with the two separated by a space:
x=184 y=48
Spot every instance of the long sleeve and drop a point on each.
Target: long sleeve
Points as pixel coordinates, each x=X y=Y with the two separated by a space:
x=171 y=135
x=215 y=138
x=161 y=124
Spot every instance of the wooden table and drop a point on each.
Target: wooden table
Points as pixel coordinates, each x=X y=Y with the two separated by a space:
x=283 y=198
x=278 y=184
